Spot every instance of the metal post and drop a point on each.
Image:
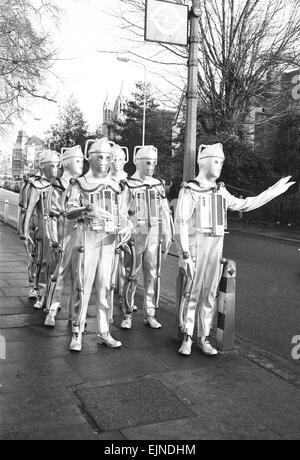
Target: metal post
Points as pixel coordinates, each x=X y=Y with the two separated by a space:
x=192 y=97
x=6 y=207
x=241 y=212
x=144 y=105
x=18 y=219
x=2 y=347
x=226 y=308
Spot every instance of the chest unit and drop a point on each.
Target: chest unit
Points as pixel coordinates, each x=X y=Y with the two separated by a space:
x=146 y=203
x=211 y=213
x=44 y=201
x=108 y=200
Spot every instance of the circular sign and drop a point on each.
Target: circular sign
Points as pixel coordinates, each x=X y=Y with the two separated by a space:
x=167 y=19
x=197 y=11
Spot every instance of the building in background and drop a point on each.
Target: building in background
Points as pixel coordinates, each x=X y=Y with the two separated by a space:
x=5 y=164
x=18 y=154
x=25 y=154
x=112 y=112
x=33 y=148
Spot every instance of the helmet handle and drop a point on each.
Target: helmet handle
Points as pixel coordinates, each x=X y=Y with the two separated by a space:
x=87 y=144
x=62 y=151
x=135 y=151
x=126 y=154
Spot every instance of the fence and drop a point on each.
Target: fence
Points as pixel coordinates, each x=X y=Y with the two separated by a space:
x=9 y=208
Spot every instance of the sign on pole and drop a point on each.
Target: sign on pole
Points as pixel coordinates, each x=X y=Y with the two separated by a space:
x=166 y=22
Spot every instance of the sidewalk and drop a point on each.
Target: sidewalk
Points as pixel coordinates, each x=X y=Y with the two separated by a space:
x=143 y=391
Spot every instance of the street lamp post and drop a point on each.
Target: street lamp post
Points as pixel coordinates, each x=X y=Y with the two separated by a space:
x=192 y=96
x=124 y=59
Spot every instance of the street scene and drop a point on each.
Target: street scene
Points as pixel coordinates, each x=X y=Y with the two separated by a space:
x=150 y=222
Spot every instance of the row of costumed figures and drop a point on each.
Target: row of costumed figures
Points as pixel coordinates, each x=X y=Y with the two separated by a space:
x=104 y=229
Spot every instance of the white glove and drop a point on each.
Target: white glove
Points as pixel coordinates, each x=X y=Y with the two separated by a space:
x=281 y=186
x=100 y=213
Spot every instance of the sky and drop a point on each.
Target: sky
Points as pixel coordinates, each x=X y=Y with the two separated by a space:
x=82 y=71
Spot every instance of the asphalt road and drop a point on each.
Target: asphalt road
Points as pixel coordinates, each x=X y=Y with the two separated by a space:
x=268 y=291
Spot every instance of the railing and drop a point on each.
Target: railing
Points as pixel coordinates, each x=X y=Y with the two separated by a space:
x=9 y=208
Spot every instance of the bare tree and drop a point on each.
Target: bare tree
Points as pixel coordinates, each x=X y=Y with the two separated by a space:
x=26 y=54
x=244 y=47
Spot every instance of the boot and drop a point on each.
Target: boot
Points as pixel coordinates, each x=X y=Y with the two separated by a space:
x=33 y=293
x=206 y=347
x=186 y=346
x=126 y=323
x=76 y=343
x=40 y=303
x=50 y=319
x=152 y=322
x=107 y=339
x=51 y=314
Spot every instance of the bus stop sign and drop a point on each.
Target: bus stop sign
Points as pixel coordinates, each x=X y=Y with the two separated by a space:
x=166 y=22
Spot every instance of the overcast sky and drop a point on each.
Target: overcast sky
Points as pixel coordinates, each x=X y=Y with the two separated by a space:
x=82 y=71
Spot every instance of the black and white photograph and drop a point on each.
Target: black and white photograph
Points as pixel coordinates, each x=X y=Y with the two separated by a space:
x=149 y=223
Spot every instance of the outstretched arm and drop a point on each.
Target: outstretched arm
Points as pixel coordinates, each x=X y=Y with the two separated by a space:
x=251 y=203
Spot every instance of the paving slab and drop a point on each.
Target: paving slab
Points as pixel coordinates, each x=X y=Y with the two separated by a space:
x=36 y=373
x=110 y=364
x=18 y=334
x=16 y=283
x=15 y=291
x=17 y=352
x=13 y=267
x=14 y=276
x=80 y=432
x=3 y=283
x=199 y=429
x=58 y=346
x=40 y=411
x=244 y=390
x=9 y=257
x=14 y=310
x=11 y=302
x=20 y=320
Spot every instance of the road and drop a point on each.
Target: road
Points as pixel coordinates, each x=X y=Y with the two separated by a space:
x=268 y=291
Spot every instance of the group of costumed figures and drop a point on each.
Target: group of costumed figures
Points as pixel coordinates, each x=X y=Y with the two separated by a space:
x=104 y=229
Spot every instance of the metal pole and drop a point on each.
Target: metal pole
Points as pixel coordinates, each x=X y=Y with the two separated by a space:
x=192 y=98
x=18 y=219
x=6 y=206
x=226 y=307
x=144 y=106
